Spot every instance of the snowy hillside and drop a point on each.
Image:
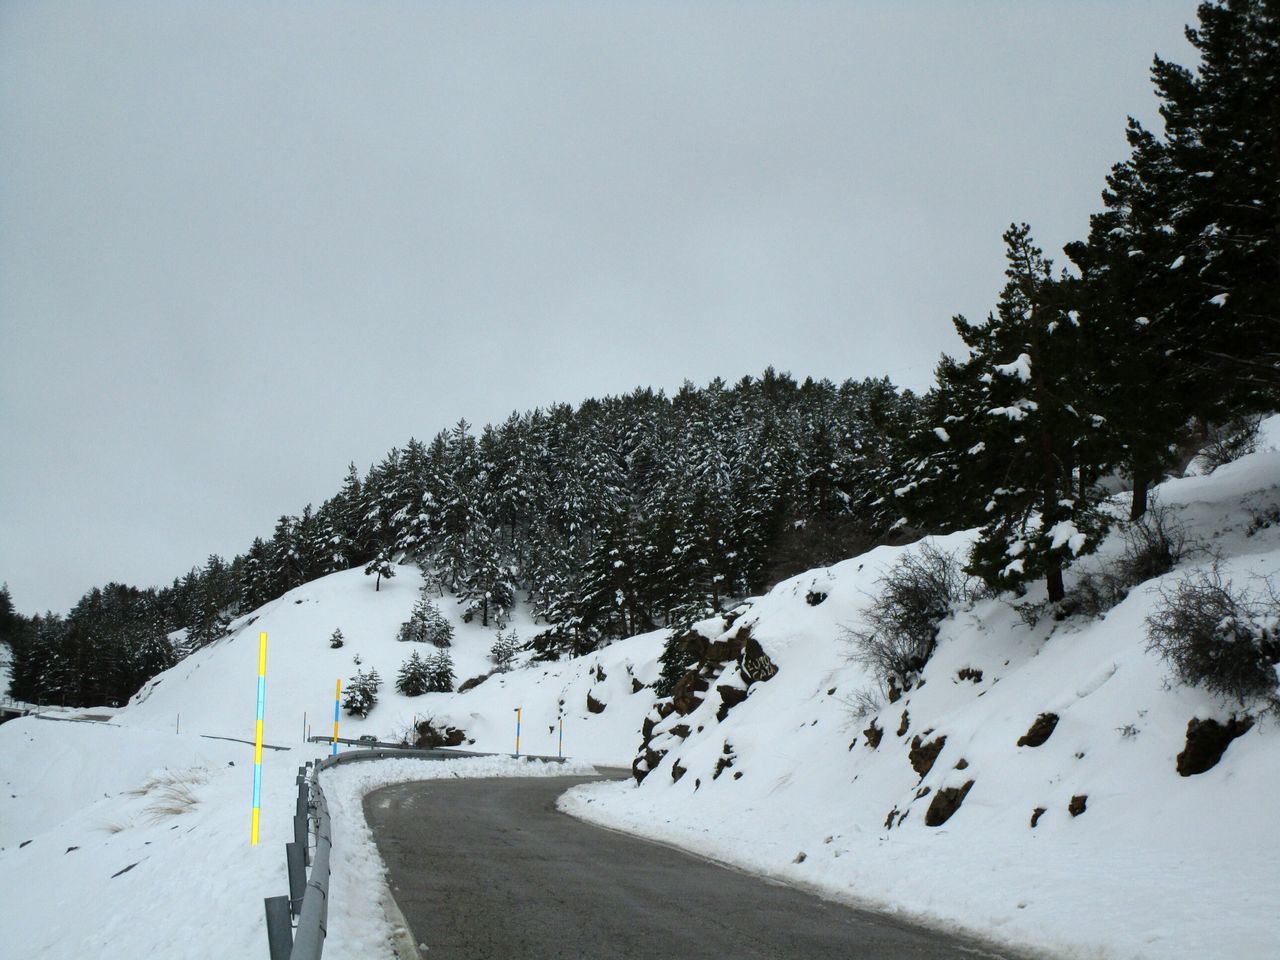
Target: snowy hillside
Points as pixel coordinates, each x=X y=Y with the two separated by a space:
x=796 y=782
x=776 y=772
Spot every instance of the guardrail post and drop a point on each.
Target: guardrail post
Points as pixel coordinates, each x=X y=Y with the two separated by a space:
x=294 y=857
x=300 y=818
x=279 y=928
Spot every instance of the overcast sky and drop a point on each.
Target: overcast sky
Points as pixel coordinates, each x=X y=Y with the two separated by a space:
x=245 y=243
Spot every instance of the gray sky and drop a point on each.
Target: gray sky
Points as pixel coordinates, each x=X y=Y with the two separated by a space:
x=242 y=244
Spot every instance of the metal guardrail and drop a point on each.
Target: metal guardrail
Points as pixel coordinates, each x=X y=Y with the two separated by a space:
x=308 y=900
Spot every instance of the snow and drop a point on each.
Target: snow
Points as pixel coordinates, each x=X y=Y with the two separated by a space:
x=942 y=434
x=1219 y=301
x=1158 y=866
x=1064 y=533
x=1020 y=368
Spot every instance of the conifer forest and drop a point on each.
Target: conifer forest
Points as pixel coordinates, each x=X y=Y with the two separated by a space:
x=1098 y=371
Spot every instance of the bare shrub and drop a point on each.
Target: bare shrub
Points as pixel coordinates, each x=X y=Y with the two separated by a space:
x=916 y=595
x=1229 y=441
x=864 y=703
x=1220 y=637
x=1153 y=545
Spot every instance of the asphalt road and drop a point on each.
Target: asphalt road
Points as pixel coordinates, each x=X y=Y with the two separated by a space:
x=490 y=869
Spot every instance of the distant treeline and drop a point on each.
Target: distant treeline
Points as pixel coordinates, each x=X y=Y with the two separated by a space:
x=643 y=510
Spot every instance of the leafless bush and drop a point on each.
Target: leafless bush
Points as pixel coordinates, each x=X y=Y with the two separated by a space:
x=864 y=703
x=1230 y=441
x=916 y=595
x=1220 y=637
x=1153 y=545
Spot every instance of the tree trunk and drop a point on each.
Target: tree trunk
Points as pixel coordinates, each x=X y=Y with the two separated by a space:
x=1138 y=505
x=1053 y=580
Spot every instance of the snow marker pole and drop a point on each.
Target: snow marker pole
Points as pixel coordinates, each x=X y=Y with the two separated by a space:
x=560 y=749
x=304 y=726
x=337 y=697
x=517 y=731
x=257 y=738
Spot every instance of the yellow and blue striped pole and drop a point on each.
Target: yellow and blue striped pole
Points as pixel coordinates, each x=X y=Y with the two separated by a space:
x=257 y=738
x=517 y=731
x=337 y=698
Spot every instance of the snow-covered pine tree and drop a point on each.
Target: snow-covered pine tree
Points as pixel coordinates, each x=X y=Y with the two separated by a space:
x=380 y=567
x=504 y=649
x=336 y=640
x=414 y=678
x=1024 y=447
x=361 y=694
x=440 y=672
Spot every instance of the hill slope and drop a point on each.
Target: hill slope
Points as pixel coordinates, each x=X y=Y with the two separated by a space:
x=785 y=781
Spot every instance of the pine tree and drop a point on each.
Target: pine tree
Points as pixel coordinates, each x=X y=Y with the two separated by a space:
x=1022 y=449
x=361 y=694
x=426 y=624
x=504 y=650
x=414 y=678
x=380 y=568
x=337 y=640
x=439 y=668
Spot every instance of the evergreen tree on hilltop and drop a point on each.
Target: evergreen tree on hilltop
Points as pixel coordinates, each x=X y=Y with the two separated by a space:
x=414 y=678
x=1024 y=450
x=1222 y=137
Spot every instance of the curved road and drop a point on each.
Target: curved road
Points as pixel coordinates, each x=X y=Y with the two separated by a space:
x=490 y=869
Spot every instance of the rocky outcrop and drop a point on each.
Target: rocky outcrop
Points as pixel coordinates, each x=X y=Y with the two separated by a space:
x=731 y=663
x=1207 y=741
x=1040 y=731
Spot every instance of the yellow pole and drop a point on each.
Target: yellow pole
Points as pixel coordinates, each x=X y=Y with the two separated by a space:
x=257 y=738
x=517 y=731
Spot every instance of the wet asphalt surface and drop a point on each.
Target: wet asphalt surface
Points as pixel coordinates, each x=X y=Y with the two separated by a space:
x=489 y=868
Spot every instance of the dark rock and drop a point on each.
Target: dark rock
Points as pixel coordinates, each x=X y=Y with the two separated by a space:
x=970 y=673
x=723 y=764
x=1040 y=731
x=923 y=792
x=814 y=597
x=1078 y=804
x=1207 y=741
x=1036 y=814
x=677 y=771
x=945 y=803
x=923 y=754
x=962 y=764
x=428 y=736
x=646 y=727
x=738 y=775
x=685 y=697
x=755 y=663
x=473 y=682
x=594 y=705
x=889 y=820
x=905 y=725
x=730 y=697
x=681 y=730
x=636 y=685
x=873 y=734
x=600 y=674
x=895 y=692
